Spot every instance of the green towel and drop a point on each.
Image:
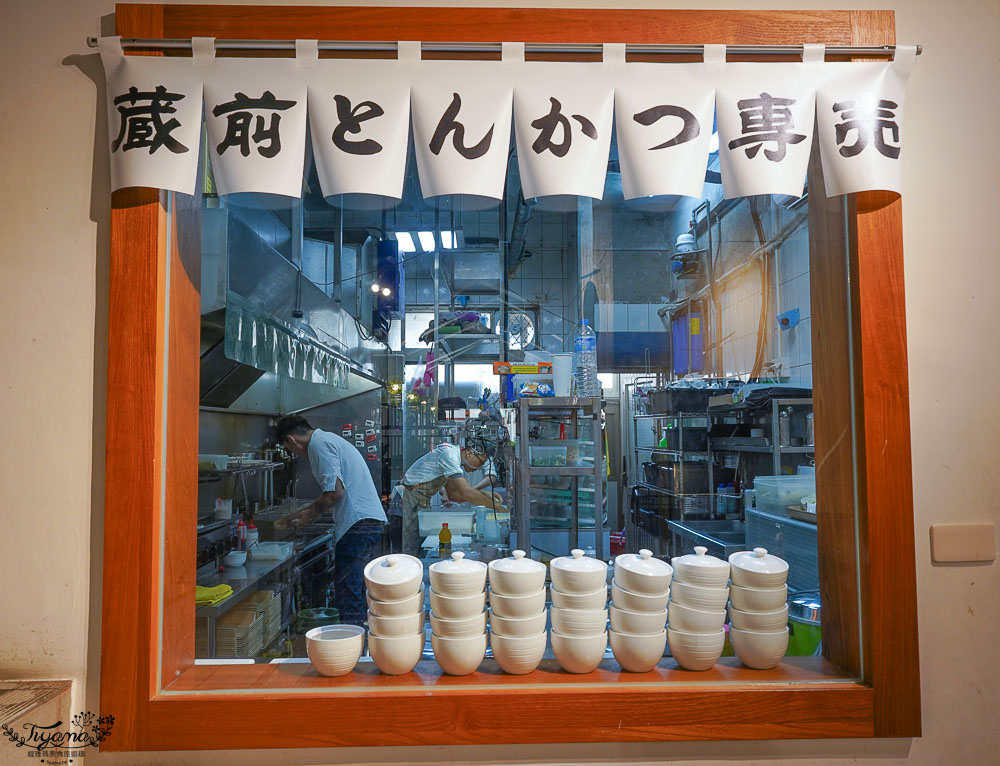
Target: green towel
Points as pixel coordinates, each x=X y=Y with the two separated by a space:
x=207 y=596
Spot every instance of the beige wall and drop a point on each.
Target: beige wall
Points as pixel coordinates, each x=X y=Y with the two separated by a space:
x=53 y=305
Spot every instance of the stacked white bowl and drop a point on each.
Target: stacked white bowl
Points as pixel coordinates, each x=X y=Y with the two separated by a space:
x=579 y=614
x=517 y=612
x=395 y=586
x=458 y=613
x=697 y=609
x=758 y=608
x=639 y=593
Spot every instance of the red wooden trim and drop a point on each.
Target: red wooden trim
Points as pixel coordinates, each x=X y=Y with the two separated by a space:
x=888 y=556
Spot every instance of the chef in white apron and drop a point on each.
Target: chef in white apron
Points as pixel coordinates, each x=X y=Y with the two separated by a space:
x=445 y=467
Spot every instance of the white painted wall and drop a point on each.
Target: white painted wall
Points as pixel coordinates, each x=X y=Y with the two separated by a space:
x=53 y=311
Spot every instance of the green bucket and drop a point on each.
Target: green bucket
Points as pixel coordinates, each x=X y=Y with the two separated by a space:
x=804 y=630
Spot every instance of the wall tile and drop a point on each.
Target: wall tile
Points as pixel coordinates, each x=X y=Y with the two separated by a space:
x=638 y=317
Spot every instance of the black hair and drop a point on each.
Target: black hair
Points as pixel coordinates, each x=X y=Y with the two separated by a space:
x=291 y=424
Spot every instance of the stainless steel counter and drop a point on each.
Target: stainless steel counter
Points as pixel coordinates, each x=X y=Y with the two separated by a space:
x=721 y=537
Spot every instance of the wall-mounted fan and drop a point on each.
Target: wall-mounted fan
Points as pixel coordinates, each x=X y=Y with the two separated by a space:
x=520 y=330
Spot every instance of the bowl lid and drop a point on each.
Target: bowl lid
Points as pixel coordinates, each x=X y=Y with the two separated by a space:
x=758 y=560
x=517 y=562
x=577 y=562
x=457 y=564
x=394 y=569
x=699 y=559
x=643 y=563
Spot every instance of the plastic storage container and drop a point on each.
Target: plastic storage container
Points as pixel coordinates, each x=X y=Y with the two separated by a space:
x=548 y=456
x=774 y=493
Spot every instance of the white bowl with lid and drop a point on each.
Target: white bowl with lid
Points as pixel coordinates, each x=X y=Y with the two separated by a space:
x=457 y=607
x=637 y=602
x=393 y=577
x=699 y=569
x=638 y=653
x=758 y=599
x=699 y=596
x=466 y=626
x=458 y=576
x=528 y=605
x=409 y=605
x=758 y=569
x=596 y=599
x=641 y=573
x=517 y=626
x=516 y=575
x=578 y=573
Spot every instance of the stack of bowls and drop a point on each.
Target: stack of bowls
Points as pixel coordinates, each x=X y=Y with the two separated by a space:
x=395 y=586
x=579 y=617
x=517 y=612
x=639 y=593
x=697 y=610
x=458 y=613
x=758 y=608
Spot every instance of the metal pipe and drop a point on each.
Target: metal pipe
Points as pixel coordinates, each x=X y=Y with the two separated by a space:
x=485 y=47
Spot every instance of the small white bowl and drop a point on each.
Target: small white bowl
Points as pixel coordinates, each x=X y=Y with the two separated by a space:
x=518 y=655
x=516 y=575
x=638 y=653
x=457 y=607
x=458 y=576
x=579 y=654
x=511 y=627
x=637 y=623
x=595 y=599
x=759 y=649
x=409 y=605
x=700 y=596
x=518 y=606
x=467 y=626
x=637 y=602
x=578 y=622
x=395 y=655
x=235 y=558
x=762 y=621
x=577 y=573
x=758 y=599
x=395 y=626
x=757 y=569
x=696 y=651
x=700 y=569
x=334 y=650
x=459 y=656
x=692 y=620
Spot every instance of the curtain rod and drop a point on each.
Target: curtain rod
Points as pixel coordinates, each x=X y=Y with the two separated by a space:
x=357 y=45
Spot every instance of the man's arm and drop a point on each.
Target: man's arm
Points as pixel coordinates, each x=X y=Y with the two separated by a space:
x=459 y=490
x=327 y=500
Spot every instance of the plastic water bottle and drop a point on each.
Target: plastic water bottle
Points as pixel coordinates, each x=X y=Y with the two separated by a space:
x=585 y=360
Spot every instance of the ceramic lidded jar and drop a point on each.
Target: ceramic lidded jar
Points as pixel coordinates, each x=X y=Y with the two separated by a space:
x=641 y=573
x=458 y=576
x=394 y=577
x=517 y=575
x=758 y=569
x=699 y=569
x=577 y=573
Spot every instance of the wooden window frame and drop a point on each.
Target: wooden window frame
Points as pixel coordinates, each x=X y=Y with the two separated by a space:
x=153 y=298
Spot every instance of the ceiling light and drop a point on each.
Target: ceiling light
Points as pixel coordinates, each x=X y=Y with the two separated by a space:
x=426 y=240
x=375 y=287
x=386 y=292
x=405 y=242
x=448 y=239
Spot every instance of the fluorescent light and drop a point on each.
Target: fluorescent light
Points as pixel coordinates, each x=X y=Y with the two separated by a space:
x=405 y=242
x=426 y=241
x=448 y=239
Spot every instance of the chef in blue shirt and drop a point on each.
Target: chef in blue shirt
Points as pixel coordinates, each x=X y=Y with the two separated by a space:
x=348 y=491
